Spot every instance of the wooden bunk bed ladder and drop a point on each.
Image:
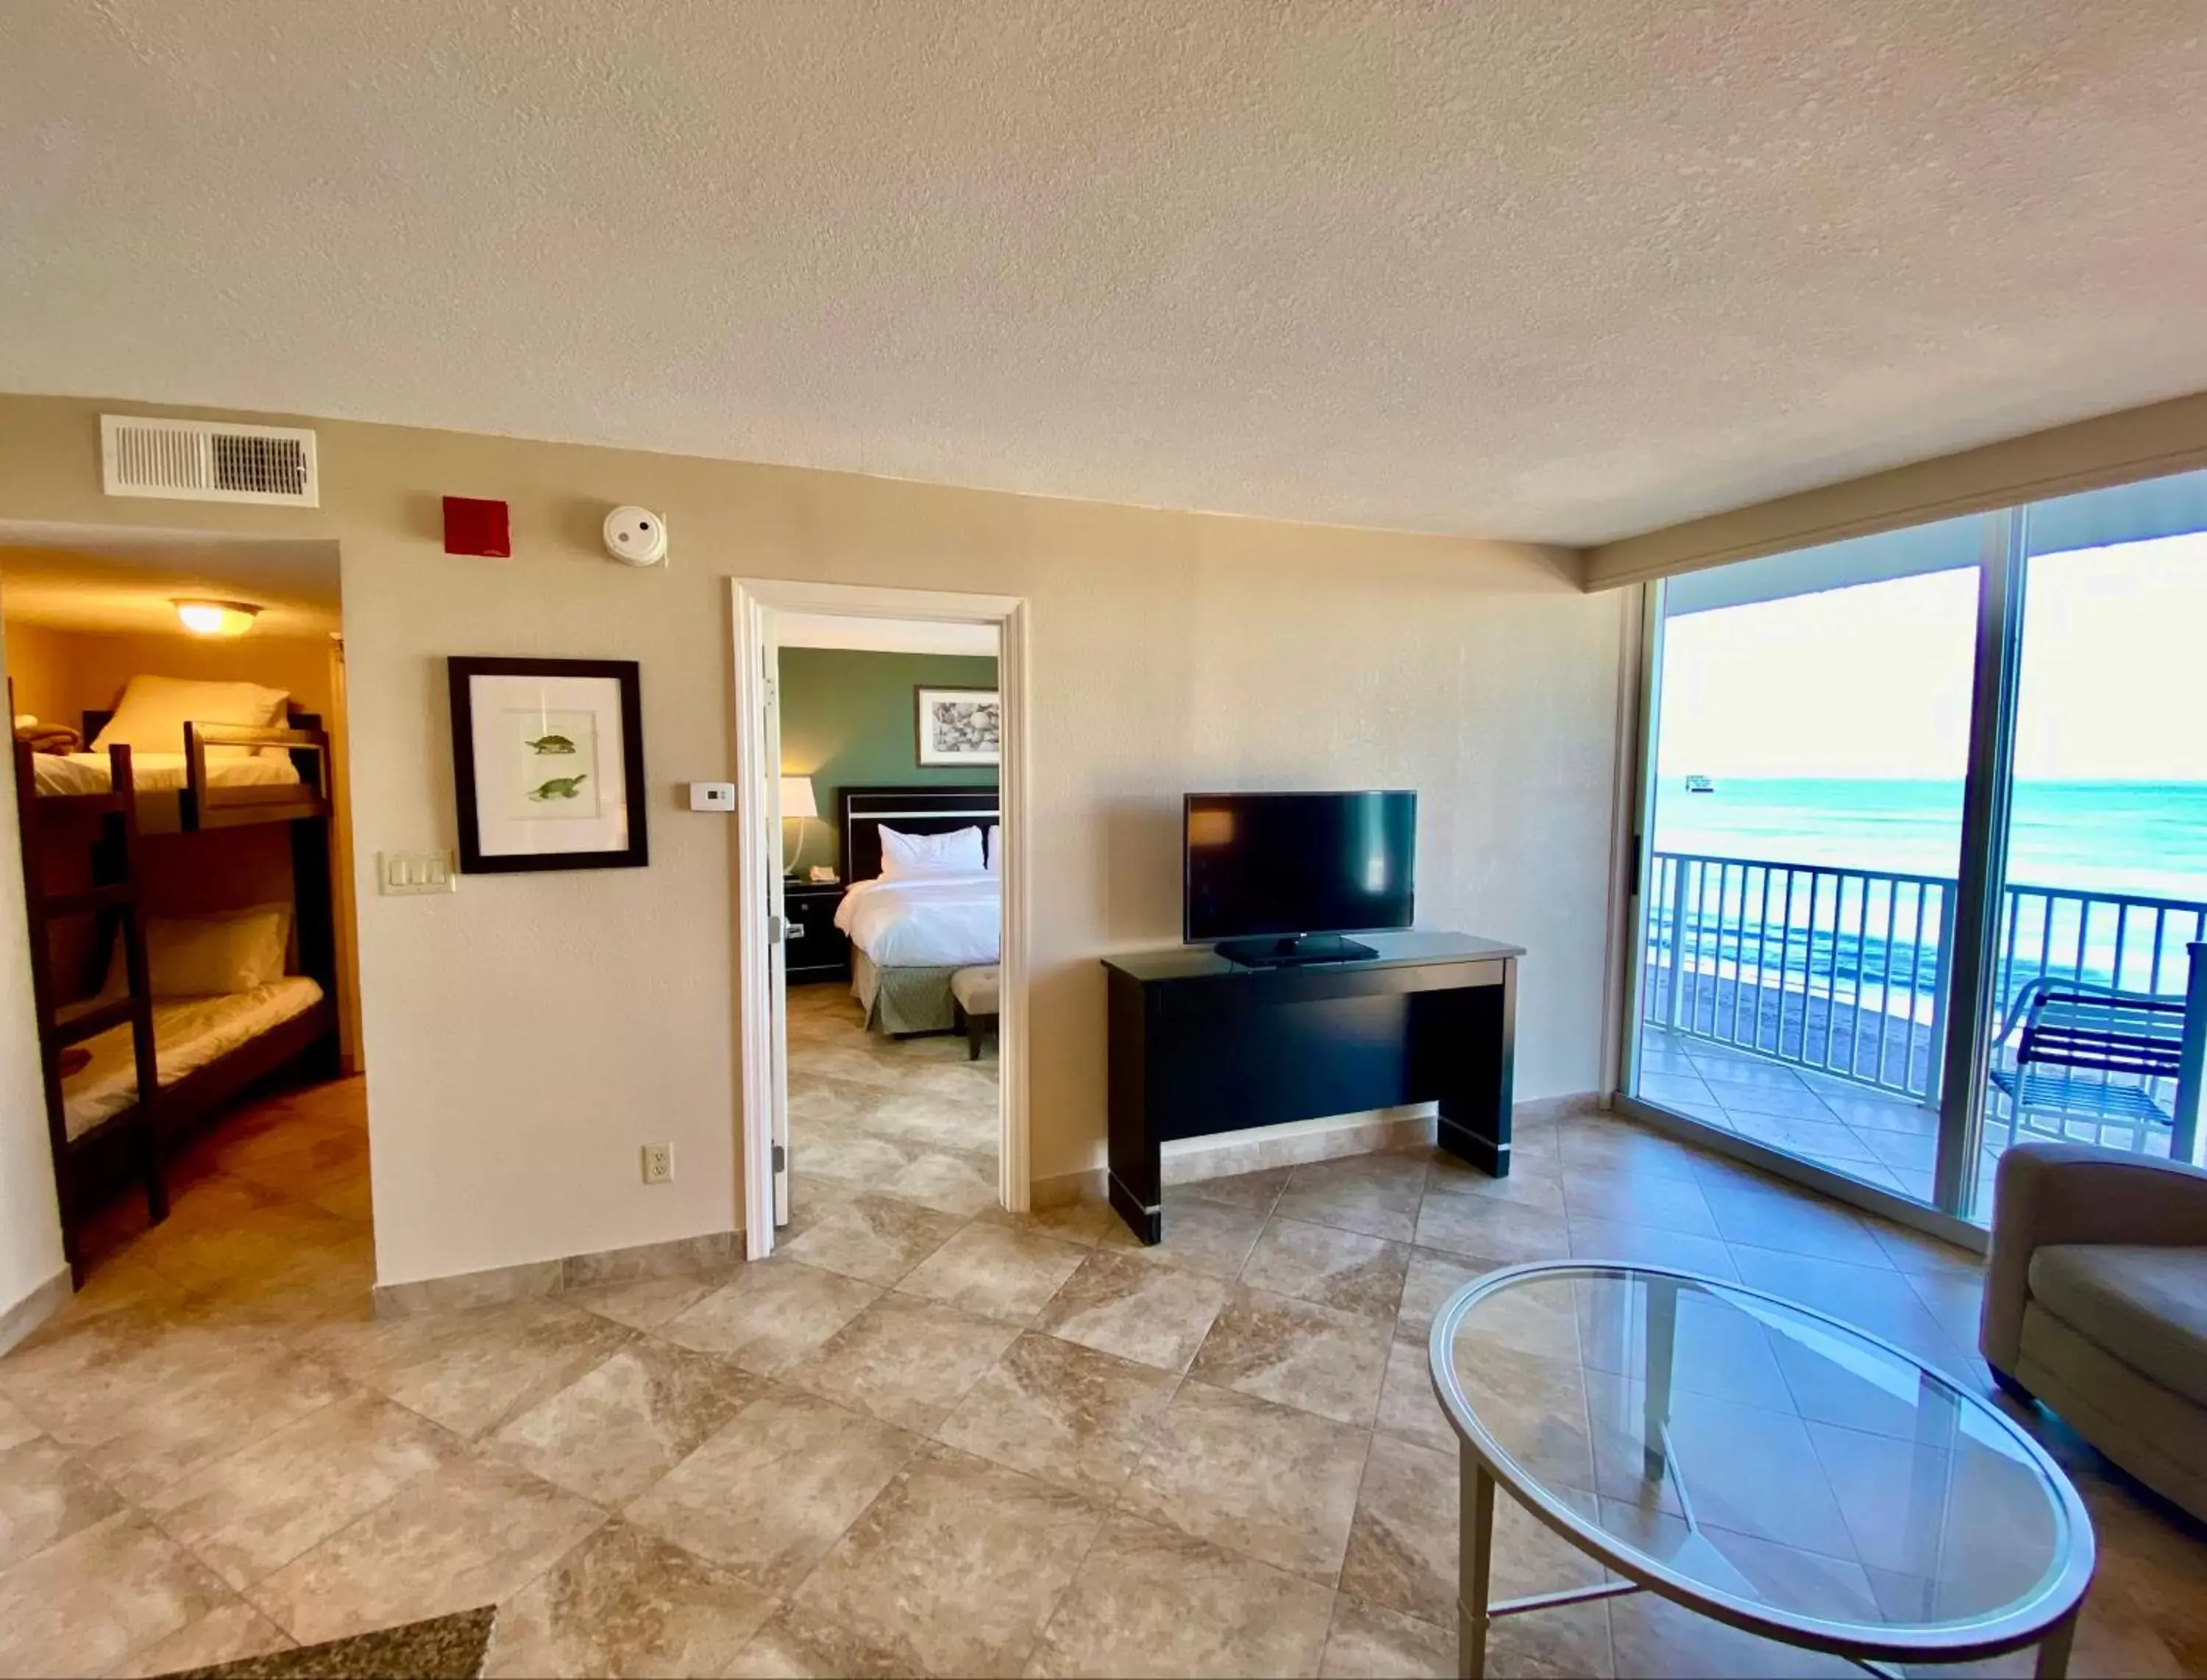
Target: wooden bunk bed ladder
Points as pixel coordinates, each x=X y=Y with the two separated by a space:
x=114 y=894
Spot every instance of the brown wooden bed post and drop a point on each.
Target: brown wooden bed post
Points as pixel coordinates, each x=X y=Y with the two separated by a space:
x=42 y=1001
x=146 y=1137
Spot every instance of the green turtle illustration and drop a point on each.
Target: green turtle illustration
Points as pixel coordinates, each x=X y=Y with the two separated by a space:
x=560 y=788
x=551 y=744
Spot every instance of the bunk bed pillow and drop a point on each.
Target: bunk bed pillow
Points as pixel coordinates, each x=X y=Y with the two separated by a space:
x=209 y=956
x=153 y=711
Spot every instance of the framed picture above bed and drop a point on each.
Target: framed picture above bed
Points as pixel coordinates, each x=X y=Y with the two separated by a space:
x=959 y=726
x=547 y=764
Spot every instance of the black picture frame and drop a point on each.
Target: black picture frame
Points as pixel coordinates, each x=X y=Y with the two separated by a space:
x=461 y=671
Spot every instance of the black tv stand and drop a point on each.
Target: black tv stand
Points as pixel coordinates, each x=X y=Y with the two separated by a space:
x=1294 y=950
x=1201 y=1044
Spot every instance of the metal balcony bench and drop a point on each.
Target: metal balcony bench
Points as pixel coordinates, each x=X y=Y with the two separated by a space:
x=2089 y=1055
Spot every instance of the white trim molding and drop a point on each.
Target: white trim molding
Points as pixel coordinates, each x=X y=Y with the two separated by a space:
x=759 y=860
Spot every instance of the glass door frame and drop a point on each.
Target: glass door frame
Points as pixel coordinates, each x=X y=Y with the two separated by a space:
x=1988 y=789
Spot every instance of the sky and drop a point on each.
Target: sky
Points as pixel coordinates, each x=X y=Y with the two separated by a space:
x=1874 y=681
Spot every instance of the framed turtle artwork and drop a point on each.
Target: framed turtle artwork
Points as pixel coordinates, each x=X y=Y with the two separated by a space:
x=547 y=764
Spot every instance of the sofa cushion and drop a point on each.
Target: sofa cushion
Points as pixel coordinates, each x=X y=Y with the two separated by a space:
x=2147 y=1307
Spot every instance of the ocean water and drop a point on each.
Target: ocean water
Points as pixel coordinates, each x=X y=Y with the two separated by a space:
x=2146 y=839
x=2110 y=840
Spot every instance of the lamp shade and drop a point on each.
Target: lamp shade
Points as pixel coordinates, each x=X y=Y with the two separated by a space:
x=797 y=799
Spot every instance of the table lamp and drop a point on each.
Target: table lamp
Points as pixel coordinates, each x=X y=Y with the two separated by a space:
x=797 y=805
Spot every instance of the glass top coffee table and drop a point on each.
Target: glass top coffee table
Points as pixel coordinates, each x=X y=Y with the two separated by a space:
x=1756 y=1461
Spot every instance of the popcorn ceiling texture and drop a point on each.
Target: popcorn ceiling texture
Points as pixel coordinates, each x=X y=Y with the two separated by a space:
x=1561 y=271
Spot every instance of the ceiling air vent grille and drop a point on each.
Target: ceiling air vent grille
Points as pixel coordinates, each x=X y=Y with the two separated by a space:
x=208 y=461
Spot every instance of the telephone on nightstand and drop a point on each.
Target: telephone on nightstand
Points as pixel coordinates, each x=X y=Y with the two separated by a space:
x=821 y=874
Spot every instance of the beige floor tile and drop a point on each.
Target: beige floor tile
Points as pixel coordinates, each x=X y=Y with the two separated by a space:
x=624 y=1603
x=1264 y=1479
x=1536 y=1409
x=16 y=1428
x=644 y=1303
x=1408 y=1406
x=1646 y=1245
x=1658 y=1639
x=972 y=1607
x=904 y=1361
x=794 y=1646
x=1300 y=1355
x=1149 y=1600
x=1212 y=1238
x=1375 y=1194
x=770 y=1314
x=1066 y=1414
x=471 y=1532
x=1085 y=1223
x=840 y=1150
x=93 y=1600
x=1665 y=1203
x=1535 y=1181
x=1340 y=1269
x=769 y=1494
x=947 y=1181
x=1491 y=1230
x=996 y=1272
x=1429 y=1279
x=874 y=1238
x=1367 y=1642
x=1253 y=1192
x=1877 y=1299
x=1153 y=1314
x=46 y=1495
x=229 y=1633
x=248 y=1514
x=1588 y=1144
x=615 y=1429
x=195 y=1423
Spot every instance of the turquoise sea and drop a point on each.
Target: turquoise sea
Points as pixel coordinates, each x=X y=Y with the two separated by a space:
x=2116 y=843
x=2131 y=838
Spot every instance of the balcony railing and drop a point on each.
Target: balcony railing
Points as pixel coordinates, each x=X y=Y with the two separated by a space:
x=1843 y=971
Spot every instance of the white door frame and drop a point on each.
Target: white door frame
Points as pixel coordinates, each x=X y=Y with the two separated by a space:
x=758 y=862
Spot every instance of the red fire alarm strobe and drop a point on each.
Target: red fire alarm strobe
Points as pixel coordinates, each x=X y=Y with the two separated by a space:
x=473 y=527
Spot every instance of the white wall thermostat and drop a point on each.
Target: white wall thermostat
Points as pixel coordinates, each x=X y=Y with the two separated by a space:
x=635 y=536
x=712 y=796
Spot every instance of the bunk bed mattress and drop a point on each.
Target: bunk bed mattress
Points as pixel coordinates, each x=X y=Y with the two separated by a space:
x=188 y=1032
x=153 y=772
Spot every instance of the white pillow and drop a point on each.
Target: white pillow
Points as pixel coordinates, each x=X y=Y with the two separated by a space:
x=208 y=956
x=992 y=846
x=958 y=852
x=154 y=710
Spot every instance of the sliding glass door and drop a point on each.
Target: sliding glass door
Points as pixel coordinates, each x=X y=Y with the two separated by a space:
x=1924 y=846
x=1811 y=719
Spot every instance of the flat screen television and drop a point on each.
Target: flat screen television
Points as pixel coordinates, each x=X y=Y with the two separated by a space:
x=1279 y=877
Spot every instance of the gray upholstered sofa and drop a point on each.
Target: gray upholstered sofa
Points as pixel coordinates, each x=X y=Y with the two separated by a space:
x=2095 y=1302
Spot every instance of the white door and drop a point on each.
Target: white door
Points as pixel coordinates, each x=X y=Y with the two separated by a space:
x=777 y=911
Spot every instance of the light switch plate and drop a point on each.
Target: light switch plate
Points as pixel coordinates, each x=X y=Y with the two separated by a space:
x=712 y=796
x=404 y=872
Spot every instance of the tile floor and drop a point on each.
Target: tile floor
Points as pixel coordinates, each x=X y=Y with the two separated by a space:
x=928 y=1437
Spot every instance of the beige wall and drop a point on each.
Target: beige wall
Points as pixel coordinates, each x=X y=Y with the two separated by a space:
x=30 y=1228
x=526 y=1034
x=70 y=671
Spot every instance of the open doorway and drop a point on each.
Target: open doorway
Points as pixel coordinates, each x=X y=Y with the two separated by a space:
x=879 y=926
x=178 y=760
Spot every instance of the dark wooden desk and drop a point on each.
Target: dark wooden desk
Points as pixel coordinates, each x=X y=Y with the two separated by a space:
x=1200 y=1045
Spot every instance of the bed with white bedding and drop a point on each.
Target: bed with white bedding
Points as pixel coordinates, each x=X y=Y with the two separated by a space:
x=64 y=774
x=926 y=898
x=188 y=1034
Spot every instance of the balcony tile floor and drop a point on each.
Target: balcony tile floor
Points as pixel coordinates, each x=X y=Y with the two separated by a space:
x=994 y=1444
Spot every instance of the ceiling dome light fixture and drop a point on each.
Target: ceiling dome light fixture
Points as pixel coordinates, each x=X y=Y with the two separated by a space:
x=217 y=617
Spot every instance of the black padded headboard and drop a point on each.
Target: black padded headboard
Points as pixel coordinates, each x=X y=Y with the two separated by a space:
x=861 y=812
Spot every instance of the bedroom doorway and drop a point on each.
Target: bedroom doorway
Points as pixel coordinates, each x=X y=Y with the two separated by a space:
x=879 y=931
x=178 y=766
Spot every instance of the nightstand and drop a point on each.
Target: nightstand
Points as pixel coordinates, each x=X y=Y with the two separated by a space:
x=818 y=949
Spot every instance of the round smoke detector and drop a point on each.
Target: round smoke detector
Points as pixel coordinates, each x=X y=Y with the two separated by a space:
x=635 y=536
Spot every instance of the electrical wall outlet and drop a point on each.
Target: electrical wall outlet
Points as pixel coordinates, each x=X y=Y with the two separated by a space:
x=659 y=1163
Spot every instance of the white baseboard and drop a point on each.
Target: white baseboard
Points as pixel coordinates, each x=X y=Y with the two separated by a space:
x=44 y=1300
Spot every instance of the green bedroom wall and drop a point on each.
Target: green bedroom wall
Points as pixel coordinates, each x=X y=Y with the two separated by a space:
x=847 y=721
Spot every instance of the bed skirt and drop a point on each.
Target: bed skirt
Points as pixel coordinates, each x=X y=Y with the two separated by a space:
x=902 y=1000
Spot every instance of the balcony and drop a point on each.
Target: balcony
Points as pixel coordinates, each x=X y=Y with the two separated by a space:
x=1803 y=1007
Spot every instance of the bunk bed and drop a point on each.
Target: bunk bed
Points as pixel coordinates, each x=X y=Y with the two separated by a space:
x=129 y=1075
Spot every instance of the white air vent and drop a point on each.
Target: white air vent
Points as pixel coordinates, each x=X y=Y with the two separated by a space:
x=208 y=461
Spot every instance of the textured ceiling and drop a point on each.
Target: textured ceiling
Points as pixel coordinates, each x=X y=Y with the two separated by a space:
x=124 y=579
x=1564 y=271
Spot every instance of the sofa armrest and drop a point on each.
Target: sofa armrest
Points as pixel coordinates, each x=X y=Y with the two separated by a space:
x=2046 y=1193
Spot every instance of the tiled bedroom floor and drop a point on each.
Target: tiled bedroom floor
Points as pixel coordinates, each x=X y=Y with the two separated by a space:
x=919 y=1440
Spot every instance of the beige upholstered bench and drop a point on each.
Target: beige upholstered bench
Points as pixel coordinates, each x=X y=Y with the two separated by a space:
x=973 y=1003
